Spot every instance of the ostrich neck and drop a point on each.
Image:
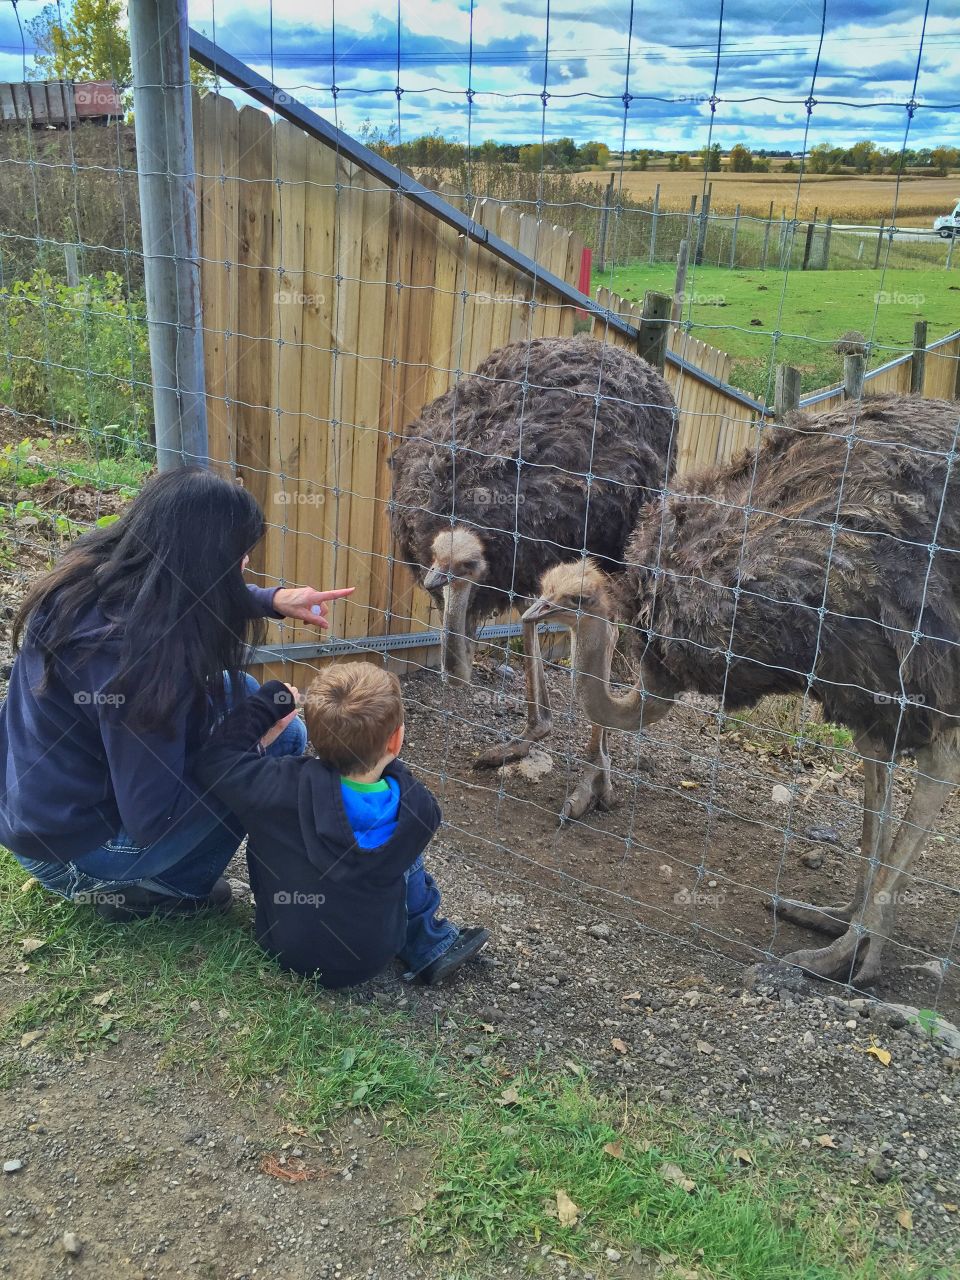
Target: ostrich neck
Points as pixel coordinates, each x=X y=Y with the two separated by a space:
x=648 y=701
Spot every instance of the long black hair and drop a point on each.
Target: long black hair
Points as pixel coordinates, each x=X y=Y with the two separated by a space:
x=167 y=576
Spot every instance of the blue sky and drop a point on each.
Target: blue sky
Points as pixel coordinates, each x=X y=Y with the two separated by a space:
x=590 y=55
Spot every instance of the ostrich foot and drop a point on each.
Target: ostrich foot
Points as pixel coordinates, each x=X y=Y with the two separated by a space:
x=837 y=961
x=513 y=749
x=594 y=790
x=833 y=921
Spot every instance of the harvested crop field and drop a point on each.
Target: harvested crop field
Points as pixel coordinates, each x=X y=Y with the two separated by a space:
x=850 y=199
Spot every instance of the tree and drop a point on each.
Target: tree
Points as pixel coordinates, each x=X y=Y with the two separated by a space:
x=861 y=156
x=740 y=159
x=88 y=41
x=683 y=162
x=643 y=159
x=819 y=158
x=943 y=159
x=531 y=158
x=593 y=153
x=790 y=167
x=710 y=157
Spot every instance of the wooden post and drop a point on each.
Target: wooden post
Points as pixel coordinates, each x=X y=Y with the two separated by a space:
x=70 y=258
x=782 y=242
x=691 y=214
x=702 y=229
x=806 y=247
x=918 y=361
x=825 y=251
x=950 y=243
x=876 y=256
x=733 y=238
x=786 y=395
x=681 y=282
x=654 y=328
x=604 y=223
x=653 y=224
x=854 y=369
x=766 y=239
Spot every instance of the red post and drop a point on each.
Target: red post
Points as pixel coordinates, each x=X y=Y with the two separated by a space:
x=586 y=270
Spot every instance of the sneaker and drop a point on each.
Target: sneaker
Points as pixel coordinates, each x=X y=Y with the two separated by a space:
x=133 y=902
x=469 y=943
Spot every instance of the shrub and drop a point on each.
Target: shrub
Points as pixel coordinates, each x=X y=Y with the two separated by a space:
x=77 y=356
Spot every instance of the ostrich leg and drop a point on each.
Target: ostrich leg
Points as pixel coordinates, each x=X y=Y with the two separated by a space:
x=877 y=833
x=539 y=721
x=595 y=786
x=938 y=773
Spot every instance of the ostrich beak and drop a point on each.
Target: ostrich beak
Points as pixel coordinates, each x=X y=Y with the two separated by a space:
x=455 y=646
x=436 y=578
x=542 y=608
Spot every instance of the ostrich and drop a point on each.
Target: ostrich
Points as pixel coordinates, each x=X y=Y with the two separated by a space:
x=829 y=561
x=549 y=449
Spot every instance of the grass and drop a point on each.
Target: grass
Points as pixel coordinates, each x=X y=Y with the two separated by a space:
x=781 y=725
x=498 y=1147
x=817 y=307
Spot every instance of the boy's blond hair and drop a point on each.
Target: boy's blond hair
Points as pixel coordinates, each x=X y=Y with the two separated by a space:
x=351 y=710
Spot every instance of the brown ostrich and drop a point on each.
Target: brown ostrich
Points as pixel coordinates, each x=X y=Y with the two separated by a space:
x=550 y=449
x=828 y=561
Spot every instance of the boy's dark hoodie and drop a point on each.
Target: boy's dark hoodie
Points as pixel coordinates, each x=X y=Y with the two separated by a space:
x=325 y=907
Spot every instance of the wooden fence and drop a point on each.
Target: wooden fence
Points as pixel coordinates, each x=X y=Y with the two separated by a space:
x=333 y=310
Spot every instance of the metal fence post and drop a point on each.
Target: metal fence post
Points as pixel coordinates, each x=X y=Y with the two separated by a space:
x=159 y=49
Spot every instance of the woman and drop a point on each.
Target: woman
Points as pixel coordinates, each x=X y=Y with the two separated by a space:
x=129 y=651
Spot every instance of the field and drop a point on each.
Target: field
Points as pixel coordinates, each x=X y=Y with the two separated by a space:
x=810 y=310
x=846 y=198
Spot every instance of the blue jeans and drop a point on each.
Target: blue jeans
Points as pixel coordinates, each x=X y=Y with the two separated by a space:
x=185 y=862
x=428 y=936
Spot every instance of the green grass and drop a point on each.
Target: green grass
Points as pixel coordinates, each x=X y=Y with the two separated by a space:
x=817 y=307
x=495 y=1160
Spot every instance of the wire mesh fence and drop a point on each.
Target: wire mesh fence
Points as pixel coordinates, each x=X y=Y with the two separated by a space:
x=786 y=591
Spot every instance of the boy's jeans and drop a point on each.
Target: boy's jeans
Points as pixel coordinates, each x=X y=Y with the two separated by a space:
x=185 y=862
x=428 y=936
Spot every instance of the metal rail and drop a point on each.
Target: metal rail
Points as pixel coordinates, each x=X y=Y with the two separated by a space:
x=380 y=644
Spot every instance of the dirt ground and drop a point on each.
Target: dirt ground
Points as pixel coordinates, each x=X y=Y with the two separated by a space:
x=698 y=842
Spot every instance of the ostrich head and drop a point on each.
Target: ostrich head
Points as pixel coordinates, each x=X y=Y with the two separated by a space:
x=567 y=591
x=457 y=567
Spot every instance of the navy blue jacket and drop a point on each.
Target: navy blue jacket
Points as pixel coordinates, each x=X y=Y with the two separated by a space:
x=73 y=775
x=325 y=906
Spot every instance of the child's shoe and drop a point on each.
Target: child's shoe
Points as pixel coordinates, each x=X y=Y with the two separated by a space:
x=469 y=943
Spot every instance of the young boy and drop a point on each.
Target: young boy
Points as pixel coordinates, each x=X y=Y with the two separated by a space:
x=335 y=843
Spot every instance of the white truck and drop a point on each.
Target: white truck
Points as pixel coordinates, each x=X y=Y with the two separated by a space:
x=949 y=225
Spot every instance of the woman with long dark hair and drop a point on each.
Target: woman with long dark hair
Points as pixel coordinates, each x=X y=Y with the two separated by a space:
x=128 y=652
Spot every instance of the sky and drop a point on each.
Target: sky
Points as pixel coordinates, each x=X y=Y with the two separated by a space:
x=639 y=75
